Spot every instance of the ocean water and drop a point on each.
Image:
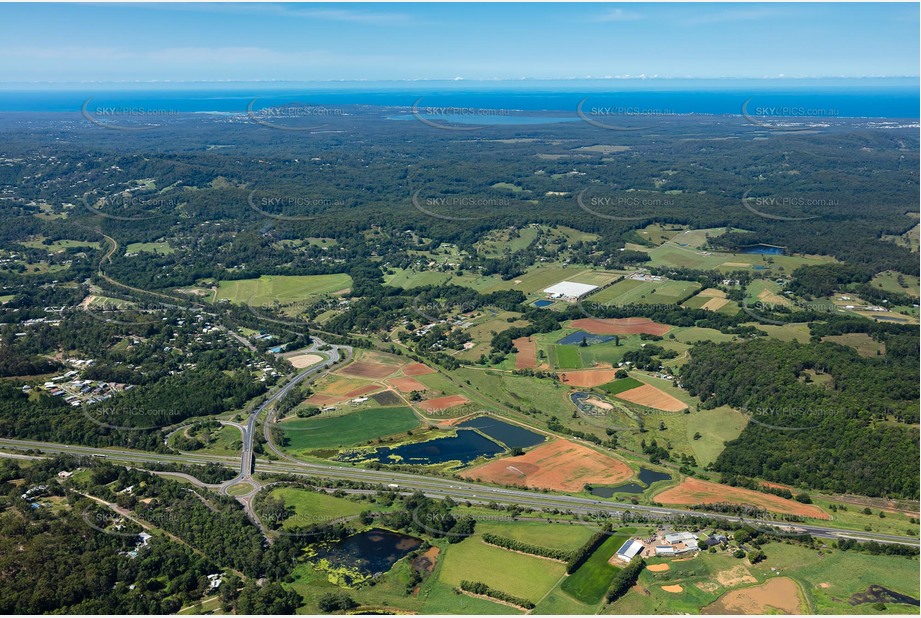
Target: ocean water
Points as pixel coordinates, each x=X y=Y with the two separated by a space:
x=864 y=98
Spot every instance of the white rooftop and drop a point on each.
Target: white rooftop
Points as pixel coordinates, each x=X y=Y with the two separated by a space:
x=570 y=289
x=630 y=549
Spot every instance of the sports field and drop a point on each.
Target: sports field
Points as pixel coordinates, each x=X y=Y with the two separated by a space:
x=347 y=430
x=269 y=289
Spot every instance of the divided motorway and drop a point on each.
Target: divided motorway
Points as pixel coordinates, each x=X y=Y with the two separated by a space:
x=434 y=487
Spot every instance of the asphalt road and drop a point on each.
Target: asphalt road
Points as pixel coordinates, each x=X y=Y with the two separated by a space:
x=440 y=487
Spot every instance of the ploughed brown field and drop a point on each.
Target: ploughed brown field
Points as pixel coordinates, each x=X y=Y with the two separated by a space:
x=417 y=369
x=587 y=377
x=406 y=385
x=620 y=326
x=364 y=369
x=527 y=353
x=695 y=491
x=443 y=403
x=651 y=397
x=560 y=465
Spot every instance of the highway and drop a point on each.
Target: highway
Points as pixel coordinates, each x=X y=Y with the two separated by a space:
x=437 y=487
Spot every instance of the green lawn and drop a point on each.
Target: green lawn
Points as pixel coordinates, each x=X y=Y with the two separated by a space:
x=268 y=289
x=591 y=580
x=348 y=430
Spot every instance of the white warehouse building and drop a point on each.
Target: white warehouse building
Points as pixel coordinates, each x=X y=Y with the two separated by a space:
x=569 y=290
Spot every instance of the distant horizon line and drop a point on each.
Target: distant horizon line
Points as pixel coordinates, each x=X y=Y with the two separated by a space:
x=460 y=80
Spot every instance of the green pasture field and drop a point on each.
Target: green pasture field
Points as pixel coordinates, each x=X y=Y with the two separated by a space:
x=521 y=575
x=631 y=291
x=889 y=281
x=59 y=245
x=162 y=248
x=312 y=507
x=591 y=580
x=563 y=536
x=347 y=430
x=268 y=289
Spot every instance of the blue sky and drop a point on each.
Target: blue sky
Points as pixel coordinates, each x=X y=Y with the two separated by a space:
x=316 y=42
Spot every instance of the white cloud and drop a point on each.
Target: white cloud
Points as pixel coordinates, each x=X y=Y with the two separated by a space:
x=618 y=15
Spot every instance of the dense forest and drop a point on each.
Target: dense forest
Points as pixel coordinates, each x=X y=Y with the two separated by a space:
x=852 y=436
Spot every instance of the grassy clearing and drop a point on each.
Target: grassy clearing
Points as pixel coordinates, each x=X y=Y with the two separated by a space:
x=555 y=536
x=161 y=248
x=589 y=583
x=269 y=289
x=348 y=430
x=521 y=575
x=891 y=281
x=633 y=292
x=311 y=507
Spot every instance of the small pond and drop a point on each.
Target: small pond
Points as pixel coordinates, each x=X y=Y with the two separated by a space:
x=511 y=435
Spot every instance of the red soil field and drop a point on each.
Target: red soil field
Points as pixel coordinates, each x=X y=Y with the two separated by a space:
x=527 y=353
x=695 y=491
x=560 y=465
x=364 y=369
x=364 y=390
x=651 y=397
x=323 y=400
x=620 y=326
x=587 y=377
x=443 y=403
x=406 y=385
x=417 y=369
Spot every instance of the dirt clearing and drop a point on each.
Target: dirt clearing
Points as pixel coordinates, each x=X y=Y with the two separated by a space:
x=443 y=403
x=302 y=361
x=560 y=465
x=779 y=593
x=587 y=377
x=620 y=326
x=527 y=353
x=674 y=588
x=417 y=369
x=366 y=370
x=651 y=397
x=695 y=491
x=407 y=385
x=657 y=568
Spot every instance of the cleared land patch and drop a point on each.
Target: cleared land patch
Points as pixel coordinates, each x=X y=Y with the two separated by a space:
x=368 y=370
x=269 y=289
x=527 y=353
x=302 y=361
x=651 y=397
x=621 y=326
x=407 y=385
x=695 y=491
x=587 y=377
x=559 y=465
x=443 y=403
x=417 y=369
x=779 y=593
